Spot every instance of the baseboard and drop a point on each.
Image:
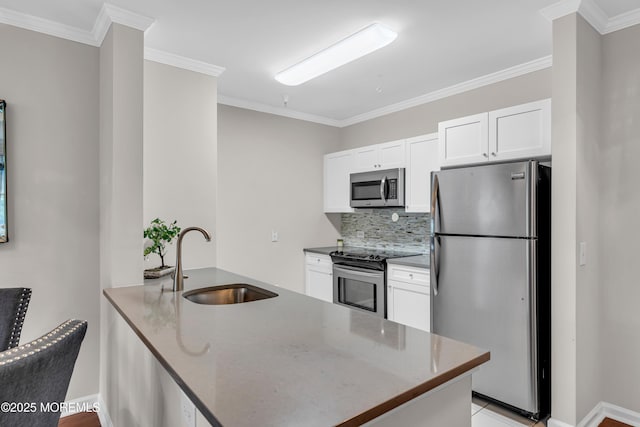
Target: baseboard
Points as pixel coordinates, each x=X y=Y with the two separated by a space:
x=105 y=419
x=81 y=404
x=92 y=402
x=551 y=422
x=607 y=410
x=601 y=411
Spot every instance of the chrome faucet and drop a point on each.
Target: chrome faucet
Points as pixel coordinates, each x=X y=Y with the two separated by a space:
x=178 y=277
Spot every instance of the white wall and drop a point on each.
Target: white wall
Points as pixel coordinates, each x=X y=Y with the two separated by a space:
x=51 y=89
x=620 y=207
x=180 y=155
x=270 y=172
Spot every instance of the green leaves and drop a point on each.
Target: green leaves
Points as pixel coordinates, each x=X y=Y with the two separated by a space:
x=160 y=234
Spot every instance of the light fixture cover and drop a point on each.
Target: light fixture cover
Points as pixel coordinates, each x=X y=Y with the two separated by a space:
x=357 y=45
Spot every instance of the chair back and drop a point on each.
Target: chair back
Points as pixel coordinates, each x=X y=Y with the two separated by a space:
x=34 y=377
x=13 y=308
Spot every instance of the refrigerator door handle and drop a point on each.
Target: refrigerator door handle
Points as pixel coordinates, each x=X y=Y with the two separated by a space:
x=435 y=206
x=435 y=263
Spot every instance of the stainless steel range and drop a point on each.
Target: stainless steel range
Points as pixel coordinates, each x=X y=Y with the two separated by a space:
x=359 y=277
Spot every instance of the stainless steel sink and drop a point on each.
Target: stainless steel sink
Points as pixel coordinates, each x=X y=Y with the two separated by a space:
x=228 y=294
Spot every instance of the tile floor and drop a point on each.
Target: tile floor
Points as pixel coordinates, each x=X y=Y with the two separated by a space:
x=484 y=414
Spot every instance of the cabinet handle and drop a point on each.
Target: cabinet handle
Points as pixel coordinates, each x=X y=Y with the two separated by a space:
x=493 y=154
x=485 y=155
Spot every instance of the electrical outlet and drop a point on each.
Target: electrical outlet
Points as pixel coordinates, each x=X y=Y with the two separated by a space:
x=188 y=410
x=360 y=234
x=274 y=236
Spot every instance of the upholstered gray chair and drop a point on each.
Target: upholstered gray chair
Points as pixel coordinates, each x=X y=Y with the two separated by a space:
x=13 y=308
x=34 y=377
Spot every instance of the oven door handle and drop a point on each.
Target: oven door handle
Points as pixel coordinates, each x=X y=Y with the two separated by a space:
x=360 y=271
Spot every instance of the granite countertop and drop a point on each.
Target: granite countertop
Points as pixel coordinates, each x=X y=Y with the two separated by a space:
x=288 y=360
x=325 y=250
x=420 y=261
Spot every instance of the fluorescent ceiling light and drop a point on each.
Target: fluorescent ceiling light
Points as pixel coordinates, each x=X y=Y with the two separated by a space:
x=346 y=50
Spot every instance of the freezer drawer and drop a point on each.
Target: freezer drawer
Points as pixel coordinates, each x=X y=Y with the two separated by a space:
x=483 y=293
x=491 y=200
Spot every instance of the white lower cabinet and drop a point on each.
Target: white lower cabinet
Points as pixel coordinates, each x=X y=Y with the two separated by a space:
x=319 y=276
x=408 y=296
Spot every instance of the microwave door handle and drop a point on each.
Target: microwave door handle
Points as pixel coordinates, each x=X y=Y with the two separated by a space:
x=383 y=190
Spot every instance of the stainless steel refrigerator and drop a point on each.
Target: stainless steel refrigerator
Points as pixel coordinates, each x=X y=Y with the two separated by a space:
x=490 y=275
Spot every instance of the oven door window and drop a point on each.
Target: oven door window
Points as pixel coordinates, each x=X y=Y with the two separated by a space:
x=369 y=190
x=358 y=294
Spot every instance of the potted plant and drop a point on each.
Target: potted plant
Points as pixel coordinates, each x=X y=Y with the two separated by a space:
x=160 y=234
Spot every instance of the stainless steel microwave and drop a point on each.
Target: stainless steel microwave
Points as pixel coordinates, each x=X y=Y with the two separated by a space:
x=377 y=189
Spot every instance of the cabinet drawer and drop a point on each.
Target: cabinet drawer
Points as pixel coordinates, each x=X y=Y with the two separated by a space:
x=319 y=261
x=416 y=276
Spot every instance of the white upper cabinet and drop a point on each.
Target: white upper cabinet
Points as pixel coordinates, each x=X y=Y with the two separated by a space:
x=337 y=167
x=519 y=132
x=464 y=140
x=523 y=131
x=421 y=160
x=380 y=156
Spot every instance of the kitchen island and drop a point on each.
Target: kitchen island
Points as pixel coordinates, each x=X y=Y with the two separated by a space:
x=293 y=360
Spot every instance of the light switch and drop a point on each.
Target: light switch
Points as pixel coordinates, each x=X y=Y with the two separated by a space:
x=274 y=236
x=582 y=256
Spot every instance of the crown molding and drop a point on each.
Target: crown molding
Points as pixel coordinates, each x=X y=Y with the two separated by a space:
x=279 y=111
x=45 y=26
x=518 y=70
x=560 y=9
x=108 y=14
x=112 y=14
x=182 y=62
x=623 y=21
x=593 y=14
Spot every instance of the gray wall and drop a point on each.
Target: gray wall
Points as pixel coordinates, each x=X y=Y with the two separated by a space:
x=270 y=172
x=180 y=154
x=563 y=220
x=424 y=119
x=620 y=206
x=588 y=136
x=51 y=89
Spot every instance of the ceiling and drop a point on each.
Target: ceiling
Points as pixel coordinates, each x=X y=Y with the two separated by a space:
x=441 y=44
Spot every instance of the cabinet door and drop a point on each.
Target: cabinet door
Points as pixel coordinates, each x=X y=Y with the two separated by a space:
x=337 y=167
x=319 y=277
x=409 y=304
x=422 y=159
x=392 y=154
x=380 y=156
x=520 y=132
x=320 y=284
x=367 y=158
x=464 y=140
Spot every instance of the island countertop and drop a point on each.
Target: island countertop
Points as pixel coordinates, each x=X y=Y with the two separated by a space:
x=289 y=360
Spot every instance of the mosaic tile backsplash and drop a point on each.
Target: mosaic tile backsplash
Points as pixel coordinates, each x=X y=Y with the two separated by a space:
x=410 y=233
